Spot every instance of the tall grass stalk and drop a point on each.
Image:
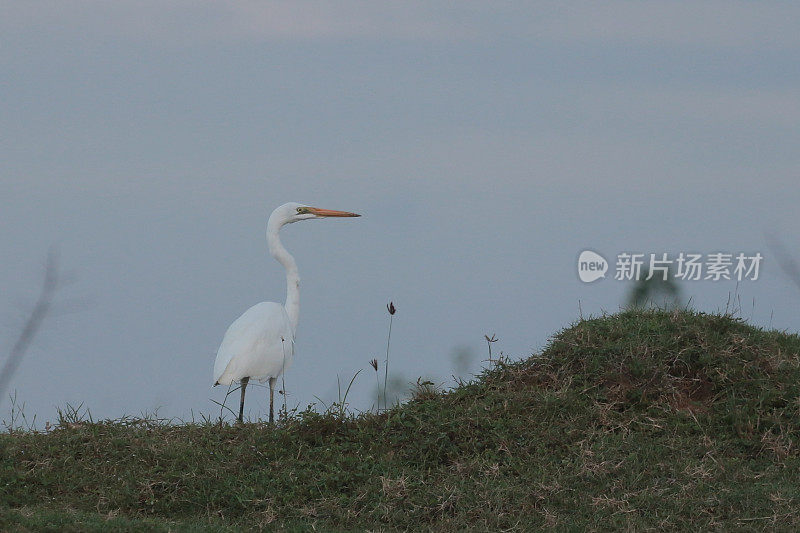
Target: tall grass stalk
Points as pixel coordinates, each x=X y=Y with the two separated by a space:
x=391 y=308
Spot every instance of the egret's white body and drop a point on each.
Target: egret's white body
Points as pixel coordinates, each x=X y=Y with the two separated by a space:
x=260 y=343
x=249 y=345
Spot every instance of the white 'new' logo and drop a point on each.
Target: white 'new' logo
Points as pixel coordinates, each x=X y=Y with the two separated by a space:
x=591 y=266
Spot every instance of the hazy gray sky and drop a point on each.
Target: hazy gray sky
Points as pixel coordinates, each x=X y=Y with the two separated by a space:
x=486 y=145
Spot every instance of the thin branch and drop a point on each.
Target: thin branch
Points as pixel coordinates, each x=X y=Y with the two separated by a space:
x=34 y=322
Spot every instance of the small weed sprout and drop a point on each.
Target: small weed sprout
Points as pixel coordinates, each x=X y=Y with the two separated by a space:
x=341 y=405
x=424 y=389
x=489 y=341
x=374 y=364
x=71 y=416
x=18 y=421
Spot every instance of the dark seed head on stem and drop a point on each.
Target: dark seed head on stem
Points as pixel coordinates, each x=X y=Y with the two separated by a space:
x=390 y=307
x=374 y=364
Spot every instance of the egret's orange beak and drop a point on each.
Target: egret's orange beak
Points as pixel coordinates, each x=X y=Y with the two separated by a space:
x=330 y=212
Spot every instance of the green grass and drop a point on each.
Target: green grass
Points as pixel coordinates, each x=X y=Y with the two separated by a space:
x=640 y=420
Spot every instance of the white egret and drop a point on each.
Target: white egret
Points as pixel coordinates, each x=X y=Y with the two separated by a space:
x=260 y=343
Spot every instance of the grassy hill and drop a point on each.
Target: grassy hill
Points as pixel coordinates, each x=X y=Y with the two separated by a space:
x=632 y=421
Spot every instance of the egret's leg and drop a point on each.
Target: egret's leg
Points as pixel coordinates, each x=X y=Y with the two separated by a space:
x=271 y=399
x=241 y=402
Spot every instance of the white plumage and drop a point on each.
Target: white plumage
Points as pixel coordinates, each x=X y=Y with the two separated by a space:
x=260 y=343
x=262 y=329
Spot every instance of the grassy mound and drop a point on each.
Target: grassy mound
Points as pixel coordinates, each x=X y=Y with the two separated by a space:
x=631 y=421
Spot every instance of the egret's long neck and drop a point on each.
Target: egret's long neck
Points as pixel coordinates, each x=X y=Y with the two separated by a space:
x=277 y=251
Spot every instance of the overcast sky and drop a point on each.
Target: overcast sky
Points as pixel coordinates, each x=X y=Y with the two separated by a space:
x=485 y=144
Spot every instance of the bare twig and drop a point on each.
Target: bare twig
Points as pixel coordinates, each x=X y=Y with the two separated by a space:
x=34 y=322
x=223 y=406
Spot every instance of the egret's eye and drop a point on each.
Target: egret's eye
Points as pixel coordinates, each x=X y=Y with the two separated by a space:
x=301 y=210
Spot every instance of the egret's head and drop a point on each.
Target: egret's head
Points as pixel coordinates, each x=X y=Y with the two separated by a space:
x=294 y=212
